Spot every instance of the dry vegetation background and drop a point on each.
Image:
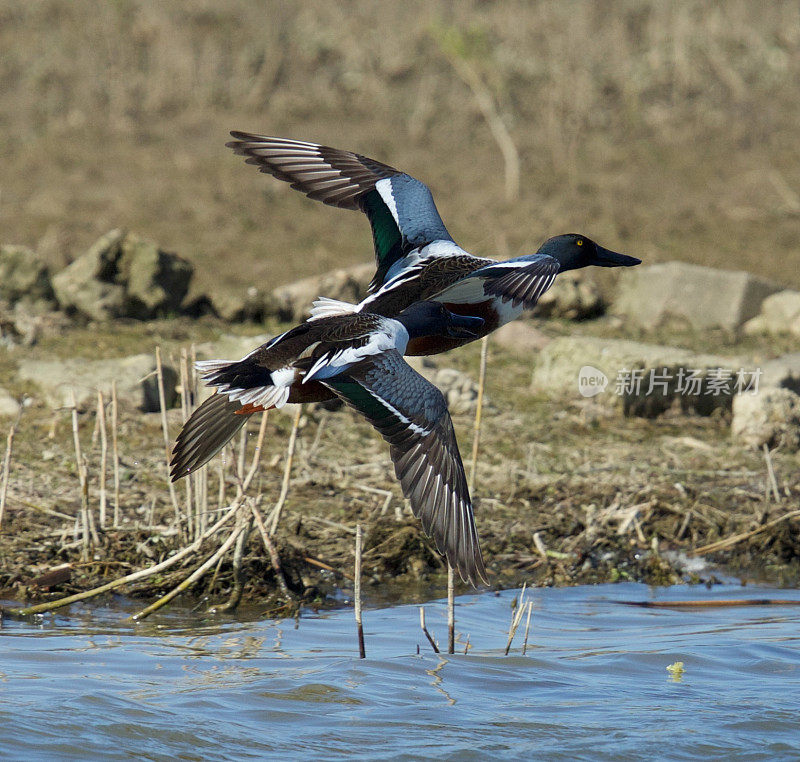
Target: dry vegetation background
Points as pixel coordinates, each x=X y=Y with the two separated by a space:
x=665 y=129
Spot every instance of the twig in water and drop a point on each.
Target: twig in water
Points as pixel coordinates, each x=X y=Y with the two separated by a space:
x=357 y=593
x=712 y=604
x=287 y=472
x=476 y=432
x=6 y=470
x=773 y=482
x=527 y=628
x=425 y=630
x=516 y=618
x=162 y=403
x=451 y=610
x=115 y=449
x=101 y=424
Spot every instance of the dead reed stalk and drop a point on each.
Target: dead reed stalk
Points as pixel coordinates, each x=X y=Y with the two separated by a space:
x=425 y=630
x=115 y=449
x=516 y=618
x=162 y=403
x=357 y=593
x=773 y=482
x=272 y=551
x=451 y=610
x=101 y=424
x=287 y=471
x=6 y=470
x=527 y=628
x=82 y=478
x=476 y=431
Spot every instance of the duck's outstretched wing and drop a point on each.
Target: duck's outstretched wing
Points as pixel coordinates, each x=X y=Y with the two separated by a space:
x=400 y=209
x=521 y=281
x=207 y=431
x=411 y=415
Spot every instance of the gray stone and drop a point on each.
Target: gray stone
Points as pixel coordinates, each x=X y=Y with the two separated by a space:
x=136 y=387
x=520 y=337
x=23 y=275
x=781 y=373
x=251 y=304
x=349 y=285
x=155 y=281
x=701 y=297
x=780 y=313
x=9 y=407
x=87 y=286
x=574 y=295
x=594 y=367
x=771 y=417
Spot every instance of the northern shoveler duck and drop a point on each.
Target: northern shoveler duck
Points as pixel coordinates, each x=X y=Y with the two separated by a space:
x=359 y=358
x=416 y=257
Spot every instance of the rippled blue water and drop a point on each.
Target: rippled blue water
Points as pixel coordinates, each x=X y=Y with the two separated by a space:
x=86 y=684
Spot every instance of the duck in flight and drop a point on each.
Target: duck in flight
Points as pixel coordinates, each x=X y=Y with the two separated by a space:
x=416 y=257
x=359 y=358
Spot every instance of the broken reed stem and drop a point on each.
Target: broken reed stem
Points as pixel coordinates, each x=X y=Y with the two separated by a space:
x=271 y=550
x=101 y=422
x=133 y=576
x=527 y=628
x=451 y=609
x=242 y=454
x=516 y=618
x=262 y=430
x=82 y=478
x=476 y=432
x=773 y=482
x=357 y=593
x=6 y=470
x=287 y=471
x=193 y=577
x=425 y=630
x=162 y=403
x=115 y=449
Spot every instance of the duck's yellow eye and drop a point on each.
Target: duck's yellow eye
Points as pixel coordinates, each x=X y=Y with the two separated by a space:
x=579 y=242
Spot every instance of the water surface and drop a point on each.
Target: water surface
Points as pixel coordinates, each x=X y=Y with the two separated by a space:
x=87 y=684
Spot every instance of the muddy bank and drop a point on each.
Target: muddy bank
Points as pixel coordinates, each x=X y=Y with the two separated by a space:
x=566 y=493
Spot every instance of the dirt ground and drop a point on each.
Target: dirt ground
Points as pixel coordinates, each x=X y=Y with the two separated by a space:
x=565 y=493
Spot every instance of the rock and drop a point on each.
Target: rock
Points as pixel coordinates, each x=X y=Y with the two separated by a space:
x=771 y=417
x=702 y=297
x=252 y=304
x=123 y=275
x=23 y=276
x=780 y=313
x=9 y=407
x=459 y=389
x=574 y=295
x=155 y=281
x=640 y=379
x=294 y=300
x=520 y=337
x=782 y=373
x=87 y=286
x=135 y=386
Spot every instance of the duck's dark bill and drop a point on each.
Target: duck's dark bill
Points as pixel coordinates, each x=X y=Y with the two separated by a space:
x=608 y=258
x=465 y=326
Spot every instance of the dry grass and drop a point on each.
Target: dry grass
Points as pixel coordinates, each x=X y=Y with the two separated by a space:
x=665 y=129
